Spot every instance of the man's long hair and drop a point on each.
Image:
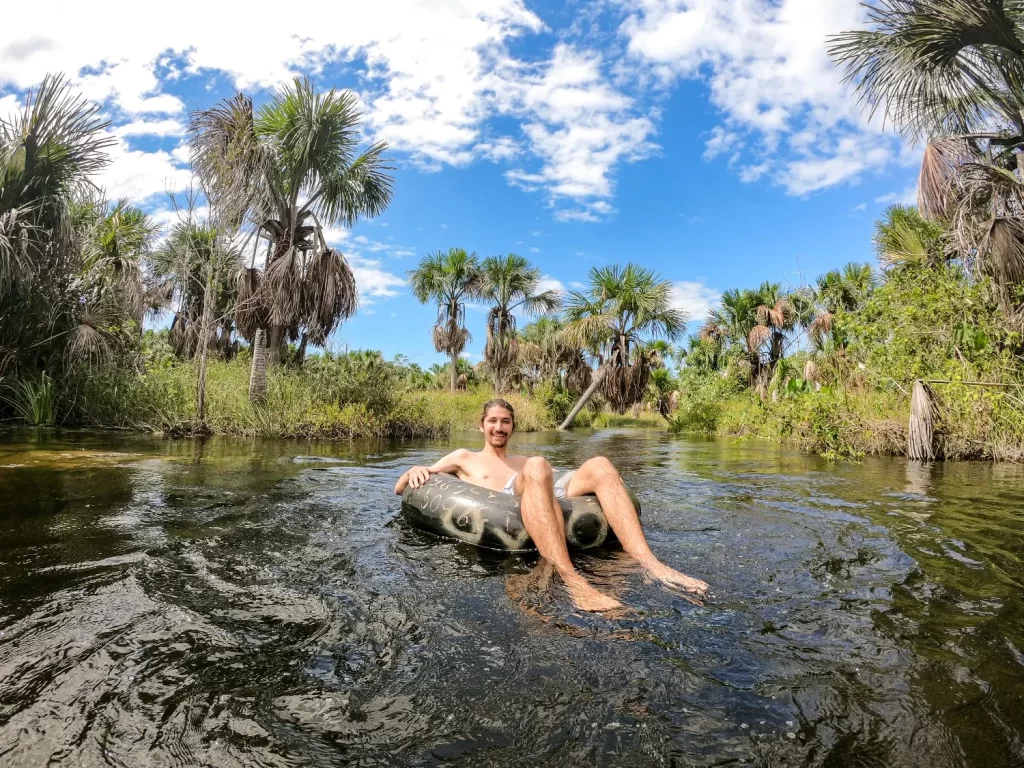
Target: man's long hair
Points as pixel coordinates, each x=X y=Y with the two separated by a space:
x=498 y=402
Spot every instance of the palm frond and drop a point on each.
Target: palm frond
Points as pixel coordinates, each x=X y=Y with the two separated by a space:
x=330 y=294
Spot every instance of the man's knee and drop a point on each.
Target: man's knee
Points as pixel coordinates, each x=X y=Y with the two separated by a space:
x=537 y=469
x=601 y=469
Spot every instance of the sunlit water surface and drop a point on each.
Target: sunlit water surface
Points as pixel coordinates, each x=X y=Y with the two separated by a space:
x=233 y=603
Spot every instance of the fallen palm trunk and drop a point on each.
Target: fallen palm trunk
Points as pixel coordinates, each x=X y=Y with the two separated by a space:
x=585 y=398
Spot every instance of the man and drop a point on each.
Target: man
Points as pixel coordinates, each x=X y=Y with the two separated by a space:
x=532 y=479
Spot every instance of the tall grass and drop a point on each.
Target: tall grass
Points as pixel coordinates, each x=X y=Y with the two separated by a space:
x=32 y=400
x=328 y=398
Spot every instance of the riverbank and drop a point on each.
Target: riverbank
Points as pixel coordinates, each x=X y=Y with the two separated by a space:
x=971 y=423
x=326 y=399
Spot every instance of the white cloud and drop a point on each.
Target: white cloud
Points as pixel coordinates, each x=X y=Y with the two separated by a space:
x=907 y=197
x=142 y=176
x=696 y=299
x=768 y=72
x=500 y=149
x=549 y=283
x=580 y=127
x=721 y=141
x=166 y=127
x=9 y=105
x=535 y=249
x=577 y=286
x=372 y=280
x=861 y=207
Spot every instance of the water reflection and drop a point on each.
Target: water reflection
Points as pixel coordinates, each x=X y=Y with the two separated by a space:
x=257 y=603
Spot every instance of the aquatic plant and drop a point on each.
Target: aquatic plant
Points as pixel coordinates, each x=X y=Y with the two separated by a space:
x=32 y=400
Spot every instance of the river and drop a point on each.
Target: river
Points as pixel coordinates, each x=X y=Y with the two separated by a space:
x=236 y=603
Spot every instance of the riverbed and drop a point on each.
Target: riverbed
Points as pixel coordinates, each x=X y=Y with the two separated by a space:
x=254 y=603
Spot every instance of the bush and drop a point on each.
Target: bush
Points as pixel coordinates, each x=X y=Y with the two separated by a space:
x=701 y=401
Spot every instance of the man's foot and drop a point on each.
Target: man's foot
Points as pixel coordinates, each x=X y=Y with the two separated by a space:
x=673 y=578
x=586 y=597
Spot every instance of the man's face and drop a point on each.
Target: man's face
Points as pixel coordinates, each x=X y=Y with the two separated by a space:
x=497 y=426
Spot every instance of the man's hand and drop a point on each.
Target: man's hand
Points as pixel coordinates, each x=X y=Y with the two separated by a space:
x=418 y=476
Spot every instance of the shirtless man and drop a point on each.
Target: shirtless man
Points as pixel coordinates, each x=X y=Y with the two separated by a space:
x=533 y=479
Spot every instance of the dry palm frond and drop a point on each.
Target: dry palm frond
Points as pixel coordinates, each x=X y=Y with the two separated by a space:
x=758 y=337
x=773 y=316
x=920 y=433
x=811 y=371
x=822 y=324
x=284 y=283
x=761 y=385
x=88 y=343
x=578 y=374
x=184 y=335
x=450 y=338
x=1004 y=245
x=251 y=311
x=710 y=331
x=939 y=168
x=330 y=294
x=624 y=385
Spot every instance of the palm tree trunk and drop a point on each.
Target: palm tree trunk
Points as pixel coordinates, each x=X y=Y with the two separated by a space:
x=585 y=398
x=455 y=360
x=258 y=377
x=204 y=345
x=300 y=354
x=274 y=350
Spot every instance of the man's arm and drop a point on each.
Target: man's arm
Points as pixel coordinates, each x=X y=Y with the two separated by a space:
x=418 y=475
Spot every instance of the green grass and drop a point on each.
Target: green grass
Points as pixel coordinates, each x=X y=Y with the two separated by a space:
x=972 y=423
x=306 y=403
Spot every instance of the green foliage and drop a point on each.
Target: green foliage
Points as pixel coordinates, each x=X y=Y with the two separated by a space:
x=558 y=401
x=701 y=403
x=929 y=323
x=32 y=400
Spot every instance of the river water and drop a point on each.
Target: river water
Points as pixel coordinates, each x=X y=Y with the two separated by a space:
x=235 y=603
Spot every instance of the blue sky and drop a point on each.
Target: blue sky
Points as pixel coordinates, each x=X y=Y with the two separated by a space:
x=711 y=140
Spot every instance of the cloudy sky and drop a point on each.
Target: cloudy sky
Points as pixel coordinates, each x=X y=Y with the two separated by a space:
x=709 y=139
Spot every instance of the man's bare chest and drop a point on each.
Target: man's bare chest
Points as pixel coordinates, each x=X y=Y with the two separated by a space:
x=492 y=474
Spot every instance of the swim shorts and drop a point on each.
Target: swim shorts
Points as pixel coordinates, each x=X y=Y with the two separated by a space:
x=561 y=477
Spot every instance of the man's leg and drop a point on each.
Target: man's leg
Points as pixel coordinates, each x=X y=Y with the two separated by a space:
x=599 y=476
x=546 y=525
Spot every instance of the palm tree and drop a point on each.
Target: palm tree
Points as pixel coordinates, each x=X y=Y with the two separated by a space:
x=181 y=268
x=550 y=356
x=48 y=152
x=448 y=279
x=951 y=72
x=290 y=170
x=114 y=249
x=838 y=291
x=734 y=323
x=510 y=283
x=622 y=307
x=777 y=313
x=904 y=238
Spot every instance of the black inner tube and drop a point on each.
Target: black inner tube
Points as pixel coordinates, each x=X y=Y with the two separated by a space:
x=493 y=520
